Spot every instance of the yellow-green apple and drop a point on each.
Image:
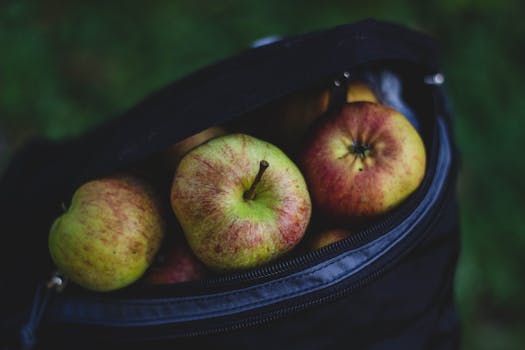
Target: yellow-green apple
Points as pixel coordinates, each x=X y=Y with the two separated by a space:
x=359 y=91
x=109 y=235
x=362 y=161
x=240 y=201
x=179 y=264
x=327 y=237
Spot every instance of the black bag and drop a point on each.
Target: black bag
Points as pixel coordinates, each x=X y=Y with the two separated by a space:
x=389 y=286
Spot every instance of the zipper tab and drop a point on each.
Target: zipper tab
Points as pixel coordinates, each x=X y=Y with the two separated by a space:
x=338 y=91
x=43 y=294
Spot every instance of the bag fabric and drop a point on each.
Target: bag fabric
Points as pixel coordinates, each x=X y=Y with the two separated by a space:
x=392 y=290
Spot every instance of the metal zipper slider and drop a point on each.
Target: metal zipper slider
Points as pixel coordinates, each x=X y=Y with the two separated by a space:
x=434 y=79
x=43 y=294
x=57 y=282
x=338 y=91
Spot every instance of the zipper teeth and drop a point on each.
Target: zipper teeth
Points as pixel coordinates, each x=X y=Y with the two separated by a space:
x=277 y=314
x=311 y=257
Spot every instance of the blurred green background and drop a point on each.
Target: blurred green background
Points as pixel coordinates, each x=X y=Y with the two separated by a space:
x=67 y=66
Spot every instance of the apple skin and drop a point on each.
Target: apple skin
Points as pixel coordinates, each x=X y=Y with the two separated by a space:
x=225 y=230
x=109 y=235
x=179 y=265
x=296 y=115
x=362 y=161
x=327 y=237
x=359 y=91
x=285 y=122
x=174 y=153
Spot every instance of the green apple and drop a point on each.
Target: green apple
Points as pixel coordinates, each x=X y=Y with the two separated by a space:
x=241 y=202
x=362 y=161
x=109 y=235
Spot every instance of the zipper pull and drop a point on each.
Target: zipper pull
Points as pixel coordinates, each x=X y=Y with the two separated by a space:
x=43 y=294
x=338 y=92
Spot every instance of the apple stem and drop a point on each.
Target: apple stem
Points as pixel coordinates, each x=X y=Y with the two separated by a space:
x=250 y=194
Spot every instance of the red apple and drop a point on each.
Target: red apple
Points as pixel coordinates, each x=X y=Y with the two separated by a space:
x=362 y=161
x=326 y=237
x=179 y=264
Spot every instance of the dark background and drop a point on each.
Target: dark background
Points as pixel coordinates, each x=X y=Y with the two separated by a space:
x=67 y=66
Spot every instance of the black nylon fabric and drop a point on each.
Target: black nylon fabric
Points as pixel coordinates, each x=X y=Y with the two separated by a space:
x=410 y=307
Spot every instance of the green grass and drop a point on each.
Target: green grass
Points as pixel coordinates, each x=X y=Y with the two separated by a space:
x=68 y=65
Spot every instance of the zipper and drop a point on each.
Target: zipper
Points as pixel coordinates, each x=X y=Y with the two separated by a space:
x=43 y=295
x=257 y=320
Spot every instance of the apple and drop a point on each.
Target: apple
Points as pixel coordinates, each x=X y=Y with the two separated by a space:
x=159 y=167
x=327 y=237
x=297 y=113
x=285 y=121
x=240 y=201
x=109 y=235
x=362 y=161
x=179 y=264
x=359 y=91
x=174 y=153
